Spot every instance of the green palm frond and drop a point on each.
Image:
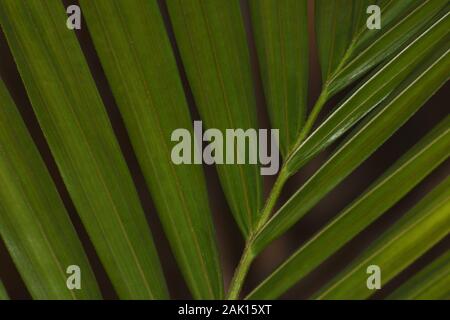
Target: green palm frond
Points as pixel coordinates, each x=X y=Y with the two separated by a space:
x=166 y=61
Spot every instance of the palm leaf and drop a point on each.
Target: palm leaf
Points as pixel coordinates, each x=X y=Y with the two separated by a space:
x=404 y=175
x=77 y=128
x=334 y=29
x=421 y=228
x=390 y=116
x=32 y=215
x=154 y=55
x=431 y=283
x=212 y=42
x=281 y=35
x=153 y=88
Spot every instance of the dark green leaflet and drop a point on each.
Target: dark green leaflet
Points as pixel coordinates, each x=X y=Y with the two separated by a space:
x=34 y=224
x=212 y=42
x=334 y=28
x=281 y=35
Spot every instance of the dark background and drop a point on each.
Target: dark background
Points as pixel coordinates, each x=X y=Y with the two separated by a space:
x=229 y=239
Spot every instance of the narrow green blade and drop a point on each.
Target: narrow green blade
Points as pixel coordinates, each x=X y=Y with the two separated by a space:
x=212 y=41
x=334 y=28
x=153 y=88
x=359 y=17
x=421 y=228
x=431 y=283
x=371 y=93
x=3 y=293
x=80 y=136
x=371 y=134
x=404 y=175
x=33 y=221
x=281 y=35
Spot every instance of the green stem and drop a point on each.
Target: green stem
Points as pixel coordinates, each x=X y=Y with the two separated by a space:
x=248 y=254
x=240 y=273
x=272 y=199
x=310 y=121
